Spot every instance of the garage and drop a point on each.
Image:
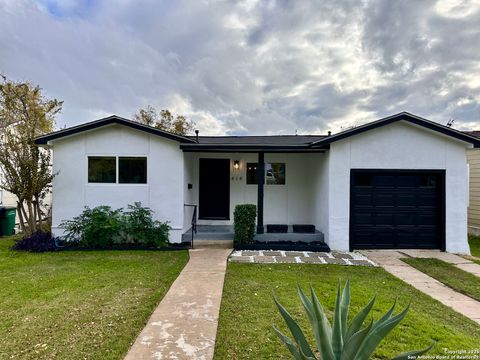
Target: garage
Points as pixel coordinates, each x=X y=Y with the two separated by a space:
x=395 y=209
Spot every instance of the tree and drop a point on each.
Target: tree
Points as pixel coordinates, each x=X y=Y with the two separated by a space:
x=25 y=114
x=164 y=120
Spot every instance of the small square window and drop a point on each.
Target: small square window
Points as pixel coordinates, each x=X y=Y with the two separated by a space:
x=132 y=170
x=275 y=173
x=102 y=169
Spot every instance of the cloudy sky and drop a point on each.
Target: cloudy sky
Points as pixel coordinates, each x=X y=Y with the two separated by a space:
x=250 y=67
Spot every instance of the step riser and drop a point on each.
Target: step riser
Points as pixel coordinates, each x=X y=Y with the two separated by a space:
x=208 y=236
x=213 y=244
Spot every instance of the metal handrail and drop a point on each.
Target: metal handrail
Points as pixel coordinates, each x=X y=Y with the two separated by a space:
x=194 y=221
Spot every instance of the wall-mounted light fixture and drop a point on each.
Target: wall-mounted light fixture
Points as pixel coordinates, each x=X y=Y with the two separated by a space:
x=236 y=164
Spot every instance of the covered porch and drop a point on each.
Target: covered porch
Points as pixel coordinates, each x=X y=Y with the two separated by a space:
x=289 y=186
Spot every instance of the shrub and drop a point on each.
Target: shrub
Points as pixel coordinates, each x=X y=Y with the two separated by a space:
x=244 y=222
x=104 y=227
x=37 y=242
x=344 y=340
x=97 y=227
x=140 y=228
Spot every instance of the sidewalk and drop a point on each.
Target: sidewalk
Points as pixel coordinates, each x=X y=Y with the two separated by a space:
x=458 y=261
x=390 y=261
x=184 y=324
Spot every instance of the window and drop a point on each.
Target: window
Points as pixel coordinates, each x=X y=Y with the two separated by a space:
x=274 y=173
x=252 y=173
x=102 y=169
x=132 y=170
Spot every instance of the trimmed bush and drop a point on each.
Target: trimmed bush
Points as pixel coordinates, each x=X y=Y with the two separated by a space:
x=37 y=242
x=140 y=228
x=97 y=227
x=102 y=227
x=244 y=217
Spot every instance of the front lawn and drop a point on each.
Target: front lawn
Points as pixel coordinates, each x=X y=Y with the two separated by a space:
x=248 y=311
x=79 y=305
x=458 y=279
x=474 y=242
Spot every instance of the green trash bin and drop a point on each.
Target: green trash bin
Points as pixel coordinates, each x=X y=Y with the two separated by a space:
x=7 y=220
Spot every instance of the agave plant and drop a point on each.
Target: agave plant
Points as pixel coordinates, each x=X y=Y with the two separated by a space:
x=343 y=340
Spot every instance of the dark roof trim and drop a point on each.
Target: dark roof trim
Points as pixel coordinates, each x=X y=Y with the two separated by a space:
x=474 y=133
x=114 y=119
x=248 y=148
x=215 y=149
x=405 y=116
x=255 y=151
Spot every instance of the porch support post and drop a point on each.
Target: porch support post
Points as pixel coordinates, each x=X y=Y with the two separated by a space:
x=261 y=182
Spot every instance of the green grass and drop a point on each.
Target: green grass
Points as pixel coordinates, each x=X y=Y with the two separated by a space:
x=79 y=305
x=248 y=311
x=458 y=279
x=474 y=242
x=474 y=259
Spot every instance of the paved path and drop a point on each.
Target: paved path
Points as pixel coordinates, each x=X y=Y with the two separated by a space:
x=390 y=261
x=300 y=257
x=184 y=324
x=456 y=260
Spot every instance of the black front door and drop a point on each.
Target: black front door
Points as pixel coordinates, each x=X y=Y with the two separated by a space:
x=397 y=209
x=214 y=188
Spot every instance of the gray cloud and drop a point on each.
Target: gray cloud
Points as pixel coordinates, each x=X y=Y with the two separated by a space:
x=250 y=66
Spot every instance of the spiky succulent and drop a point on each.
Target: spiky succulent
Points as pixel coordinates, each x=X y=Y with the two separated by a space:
x=343 y=340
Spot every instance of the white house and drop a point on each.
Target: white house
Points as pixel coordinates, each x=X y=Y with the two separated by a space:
x=398 y=182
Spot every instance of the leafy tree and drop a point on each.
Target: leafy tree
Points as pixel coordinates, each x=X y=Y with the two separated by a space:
x=164 y=120
x=25 y=114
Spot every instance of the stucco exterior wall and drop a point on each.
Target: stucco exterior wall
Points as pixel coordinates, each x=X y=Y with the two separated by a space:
x=188 y=193
x=399 y=146
x=320 y=193
x=163 y=192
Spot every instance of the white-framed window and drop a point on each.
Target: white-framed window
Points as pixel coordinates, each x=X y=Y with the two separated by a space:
x=117 y=169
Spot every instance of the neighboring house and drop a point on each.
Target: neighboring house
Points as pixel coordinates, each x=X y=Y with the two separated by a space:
x=398 y=182
x=10 y=200
x=473 y=159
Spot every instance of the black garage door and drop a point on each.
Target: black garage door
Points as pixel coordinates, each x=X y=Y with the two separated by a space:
x=397 y=209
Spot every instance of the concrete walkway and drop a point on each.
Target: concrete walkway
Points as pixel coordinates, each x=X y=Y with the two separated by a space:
x=184 y=324
x=390 y=261
x=458 y=261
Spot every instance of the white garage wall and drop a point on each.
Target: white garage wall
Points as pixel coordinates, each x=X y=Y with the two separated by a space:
x=399 y=145
x=163 y=193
